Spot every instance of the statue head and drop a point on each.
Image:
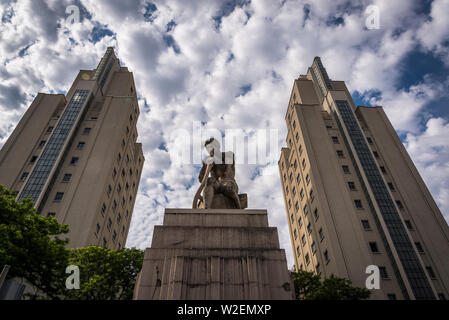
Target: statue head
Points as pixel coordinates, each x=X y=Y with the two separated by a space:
x=212 y=146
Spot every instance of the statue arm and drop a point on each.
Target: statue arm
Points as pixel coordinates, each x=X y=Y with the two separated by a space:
x=202 y=172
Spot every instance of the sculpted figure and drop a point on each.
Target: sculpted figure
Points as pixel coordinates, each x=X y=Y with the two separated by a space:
x=217 y=177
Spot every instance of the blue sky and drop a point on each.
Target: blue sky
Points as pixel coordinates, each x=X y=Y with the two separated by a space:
x=231 y=65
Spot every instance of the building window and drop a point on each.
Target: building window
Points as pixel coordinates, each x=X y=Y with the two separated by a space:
x=309 y=228
x=123 y=143
x=345 y=169
x=285 y=177
x=365 y=224
x=295 y=234
x=67 y=177
x=335 y=139
x=109 y=223
x=408 y=224
x=291 y=217
x=286 y=190
x=86 y=131
x=391 y=296
x=289 y=203
x=294 y=191
x=317 y=268
x=123 y=172
x=98 y=229
x=326 y=256
x=315 y=214
x=123 y=201
x=375 y=154
x=370 y=141
x=399 y=204
x=109 y=190
x=358 y=204
x=123 y=230
x=297 y=136
x=373 y=247
x=59 y=196
x=114 y=173
x=303 y=239
x=306 y=209
x=307 y=179
x=291 y=177
x=301 y=194
x=340 y=154
x=298 y=251
x=294 y=124
x=74 y=161
x=300 y=222
x=295 y=164
x=33 y=159
x=430 y=272
x=105 y=242
x=297 y=178
x=24 y=176
x=119 y=188
x=383 y=272
x=114 y=236
x=419 y=247
x=441 y=296
x=311 y=195
x=103 y=208
x=351 y=185
x=390 y=185
x=127 y=186
x=321 y=233
x=81 y=145
x=382 y=168
x=307 y=259
x=313 y=246
x=300 y=149
x=50 y=129
x=42 y=143
x=51 y=214
x=296 y=206
x=303 y=163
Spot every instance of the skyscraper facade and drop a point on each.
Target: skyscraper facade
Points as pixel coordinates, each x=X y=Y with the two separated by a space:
x=354 y=198
x=76 y=155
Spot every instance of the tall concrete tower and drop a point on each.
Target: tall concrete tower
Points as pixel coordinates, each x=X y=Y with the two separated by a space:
x=76 y=156
x=354 y=197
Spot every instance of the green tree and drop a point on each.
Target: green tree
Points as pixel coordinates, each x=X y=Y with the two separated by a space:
x=30 y=244
x=309 y=286
x=105 y=274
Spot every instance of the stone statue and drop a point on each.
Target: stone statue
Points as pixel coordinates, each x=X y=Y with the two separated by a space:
x=217 y=178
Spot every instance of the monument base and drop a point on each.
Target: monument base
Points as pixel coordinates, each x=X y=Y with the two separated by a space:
x=214 y=254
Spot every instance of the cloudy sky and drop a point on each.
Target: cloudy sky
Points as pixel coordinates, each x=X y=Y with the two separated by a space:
x=231 y=65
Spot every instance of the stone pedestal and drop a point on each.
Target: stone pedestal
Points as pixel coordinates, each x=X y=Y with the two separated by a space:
x=214 y=254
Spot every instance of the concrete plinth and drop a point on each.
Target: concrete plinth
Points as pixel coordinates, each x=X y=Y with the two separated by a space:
x=214 y=254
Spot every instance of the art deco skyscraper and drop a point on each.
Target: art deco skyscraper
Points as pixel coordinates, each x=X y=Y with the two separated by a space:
x=76 y=156
x=354 y=197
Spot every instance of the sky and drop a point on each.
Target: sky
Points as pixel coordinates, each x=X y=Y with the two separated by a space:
x=231 y=65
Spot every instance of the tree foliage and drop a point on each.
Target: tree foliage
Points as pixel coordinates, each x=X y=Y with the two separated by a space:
x=105 y=274
x=30 y=244
x=309 y=286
